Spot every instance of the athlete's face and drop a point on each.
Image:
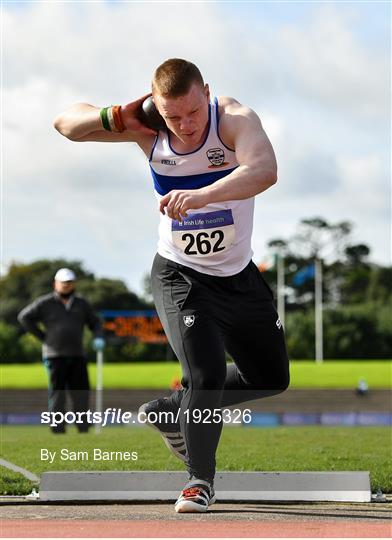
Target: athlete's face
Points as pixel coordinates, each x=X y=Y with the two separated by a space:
x=186 y=116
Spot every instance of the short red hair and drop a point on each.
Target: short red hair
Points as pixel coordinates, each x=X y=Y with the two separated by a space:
x=175 y=76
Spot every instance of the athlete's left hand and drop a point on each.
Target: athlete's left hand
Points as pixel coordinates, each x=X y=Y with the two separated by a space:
x=178 y=201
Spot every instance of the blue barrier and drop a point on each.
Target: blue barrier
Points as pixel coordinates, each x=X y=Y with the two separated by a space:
x=263 y=420
x=258 y=419
x=300 y=419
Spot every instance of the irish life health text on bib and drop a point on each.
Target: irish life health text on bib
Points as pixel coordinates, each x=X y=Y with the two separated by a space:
x=204 y=235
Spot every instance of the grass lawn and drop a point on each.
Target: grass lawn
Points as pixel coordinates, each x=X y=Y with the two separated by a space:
x=317 y=448
x=304 y=374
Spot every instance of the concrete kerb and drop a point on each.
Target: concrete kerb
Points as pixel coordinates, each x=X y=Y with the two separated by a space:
x=350 y=486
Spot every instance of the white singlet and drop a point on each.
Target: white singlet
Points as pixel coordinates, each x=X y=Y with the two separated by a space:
x=215 y=239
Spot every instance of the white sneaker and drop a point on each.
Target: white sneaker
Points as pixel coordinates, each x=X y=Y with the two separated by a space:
x=196 y=496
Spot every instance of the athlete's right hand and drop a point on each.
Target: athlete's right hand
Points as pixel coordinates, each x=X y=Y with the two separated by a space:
x=130 y=116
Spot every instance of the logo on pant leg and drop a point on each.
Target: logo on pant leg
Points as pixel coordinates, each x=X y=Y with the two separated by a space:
x=189 y=320
x=278 y=324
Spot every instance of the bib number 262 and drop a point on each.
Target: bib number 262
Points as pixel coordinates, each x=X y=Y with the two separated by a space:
x=203 y=243
x=204 y=234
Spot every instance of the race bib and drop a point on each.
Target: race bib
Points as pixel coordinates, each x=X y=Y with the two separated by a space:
x=204 y=235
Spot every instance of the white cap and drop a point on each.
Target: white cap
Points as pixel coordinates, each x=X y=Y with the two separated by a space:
x=65 y=274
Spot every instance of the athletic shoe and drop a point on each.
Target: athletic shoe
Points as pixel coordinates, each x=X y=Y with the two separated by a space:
x=196 y=496
x=170 y=431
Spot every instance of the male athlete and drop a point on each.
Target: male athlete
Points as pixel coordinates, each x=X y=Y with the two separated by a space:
x=207 y=165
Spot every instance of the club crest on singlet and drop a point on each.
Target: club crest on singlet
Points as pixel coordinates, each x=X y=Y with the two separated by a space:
x=216 y=157
x=204 y=234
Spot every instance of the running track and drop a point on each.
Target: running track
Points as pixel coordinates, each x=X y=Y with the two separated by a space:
x=226 y=529
x=319 y=520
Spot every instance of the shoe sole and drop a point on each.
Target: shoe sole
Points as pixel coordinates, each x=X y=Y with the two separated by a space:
x=173 y=450
x=185 y=507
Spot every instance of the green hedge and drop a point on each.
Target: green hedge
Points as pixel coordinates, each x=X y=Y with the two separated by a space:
x=358 y=331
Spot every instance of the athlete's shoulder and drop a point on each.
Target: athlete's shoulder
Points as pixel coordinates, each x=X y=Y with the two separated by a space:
x=234 y=117
x=229 y=106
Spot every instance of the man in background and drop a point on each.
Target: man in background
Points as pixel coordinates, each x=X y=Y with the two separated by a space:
x=58 y=320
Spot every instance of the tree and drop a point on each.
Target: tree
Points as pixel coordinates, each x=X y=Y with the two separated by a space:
x=316 y=238
x=107 y=293
x=357 y=254
x=278 y=245
x=379 y=289
x=346 y=272
x=147 y=288
x=25 y=282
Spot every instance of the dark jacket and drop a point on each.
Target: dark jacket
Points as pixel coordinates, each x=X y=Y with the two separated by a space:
x=63 y=325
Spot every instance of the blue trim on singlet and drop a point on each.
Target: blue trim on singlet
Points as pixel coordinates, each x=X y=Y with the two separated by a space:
x=153 y=147
x=202 y=144
x=217 y=125
x=163 y=183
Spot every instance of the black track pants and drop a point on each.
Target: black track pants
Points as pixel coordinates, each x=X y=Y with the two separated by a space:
x=68 y=374
x=203 y=316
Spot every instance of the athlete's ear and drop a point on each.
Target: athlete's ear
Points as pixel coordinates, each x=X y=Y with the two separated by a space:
x=207 y=91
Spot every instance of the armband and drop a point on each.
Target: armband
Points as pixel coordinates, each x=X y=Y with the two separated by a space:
x=104 y=119
x=117 y=117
